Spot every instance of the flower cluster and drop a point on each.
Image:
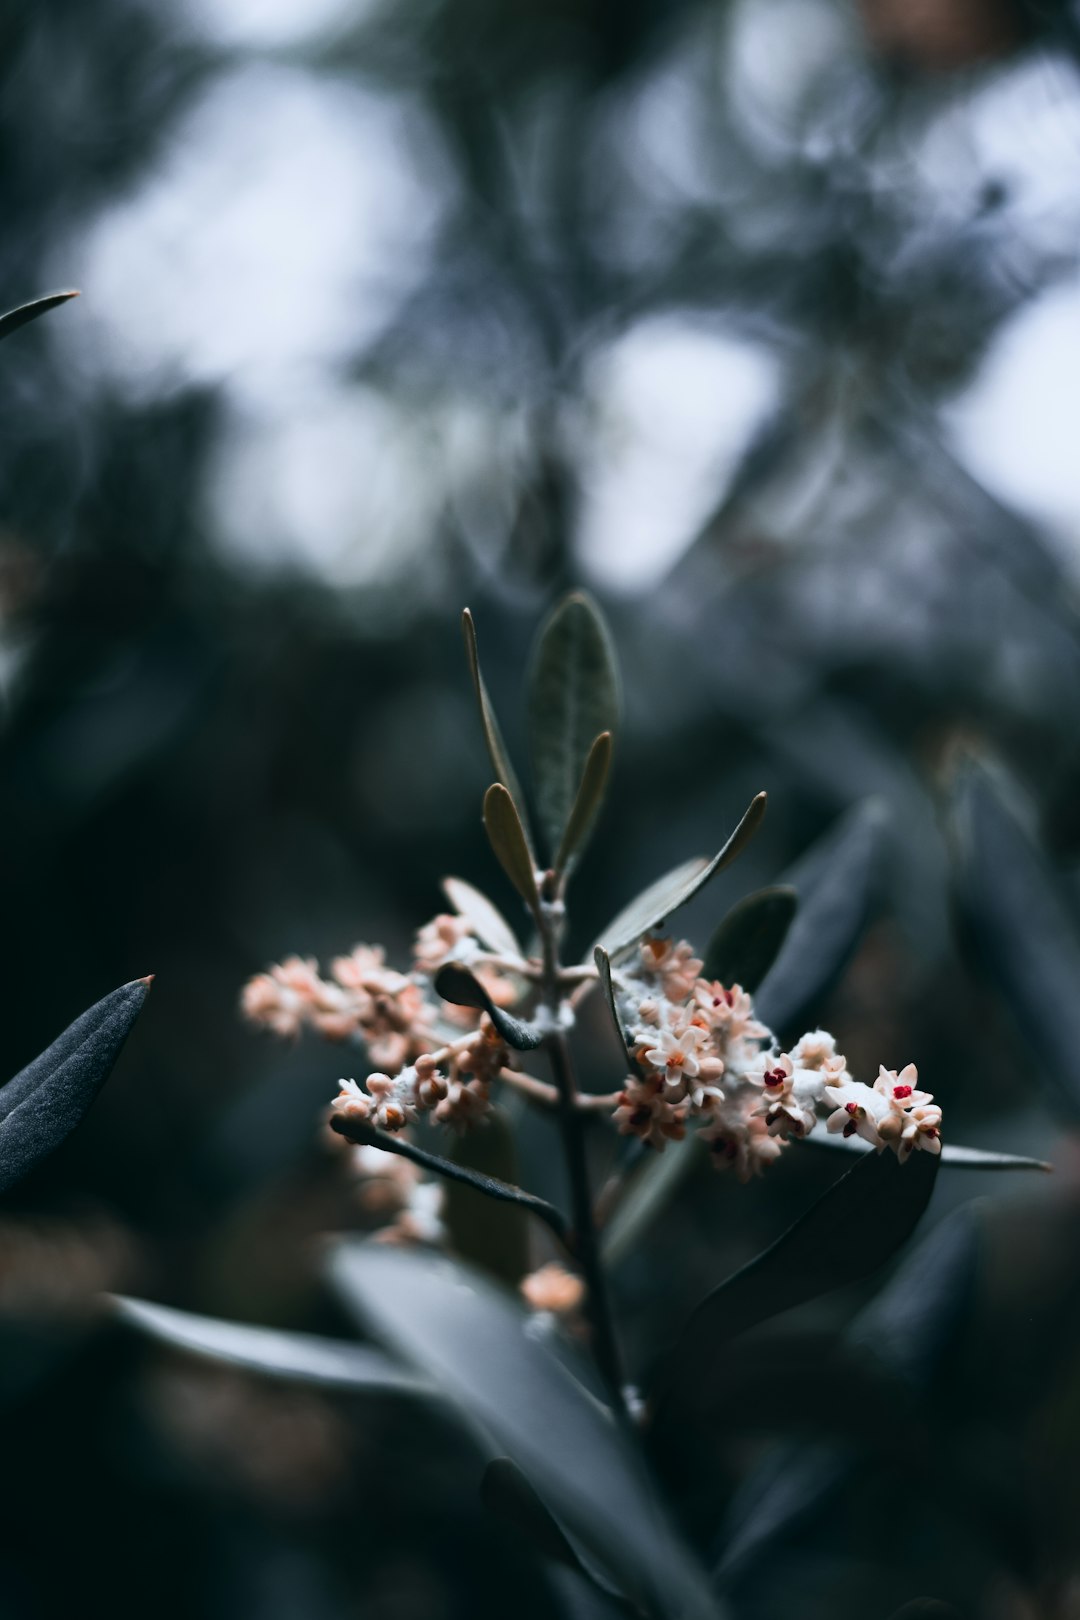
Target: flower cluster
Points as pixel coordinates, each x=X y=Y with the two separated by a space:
x=397 y=1019
x=704 y=1059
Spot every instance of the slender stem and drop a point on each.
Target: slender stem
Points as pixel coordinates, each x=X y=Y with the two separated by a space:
x=586 y=1240
x=538 y=1091
x=364 y=1135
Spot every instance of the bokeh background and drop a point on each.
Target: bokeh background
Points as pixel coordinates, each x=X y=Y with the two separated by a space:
x=759 y=318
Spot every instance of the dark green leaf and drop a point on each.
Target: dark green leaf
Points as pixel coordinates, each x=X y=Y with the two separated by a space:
x=910 y=1329
x=676 y=888
x=45 y=1101
x=590 y=796
x=573 y=697
x=334 y=1363
x=1021 y=931
x=485 y=920
x=498 y=1244
x=459 y=985
x=507 y=838
x=748 y=941
x=29 y=312
x=472 y=1339
x=952 y=1153
x=834 y=882
x=603 y=967
x=508 y=1496
x=500 y=759
x=851 y=1231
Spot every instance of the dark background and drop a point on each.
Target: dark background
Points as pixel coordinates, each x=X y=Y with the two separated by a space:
x=762 y=321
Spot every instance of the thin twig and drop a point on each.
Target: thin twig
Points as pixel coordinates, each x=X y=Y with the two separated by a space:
x=539 y=1091
x=364 y=1135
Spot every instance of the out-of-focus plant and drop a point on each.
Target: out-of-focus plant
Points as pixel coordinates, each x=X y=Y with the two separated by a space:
x=43 y=1103
x=453 y=1044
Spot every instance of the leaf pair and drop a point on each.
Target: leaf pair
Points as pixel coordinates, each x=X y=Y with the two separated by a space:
x=573 y=708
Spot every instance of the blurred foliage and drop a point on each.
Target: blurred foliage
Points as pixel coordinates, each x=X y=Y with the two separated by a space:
x=213 y=753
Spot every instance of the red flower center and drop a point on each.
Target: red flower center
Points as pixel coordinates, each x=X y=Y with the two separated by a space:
x=901 y=1091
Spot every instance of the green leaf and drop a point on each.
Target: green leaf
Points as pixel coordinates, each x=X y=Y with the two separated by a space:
x=485 y=920
x=835 y=884
x=590 y=796
x=1022 y=934
x=473 y=1340
x=508 y=1496
x=45 y=1101
x=676 y=888
x=851 y=1231
x=498 y=1245
x=29 y=312
x=573 y=697
x=306 y=1357
x=748 y=941
x=952 y=1153
x=458 y=984
x=500 y=759
x=603 y=968
x=910 y=1330
x=507 y=838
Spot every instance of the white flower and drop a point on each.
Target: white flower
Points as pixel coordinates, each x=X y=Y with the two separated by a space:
x=860 y=1112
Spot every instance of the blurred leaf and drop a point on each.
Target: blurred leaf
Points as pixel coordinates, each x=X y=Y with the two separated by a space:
x=747 y=942
x=851 y=1231
x=952 y=1153
x=1025 y=938
x=507 y=838
x=573 y=697
x=834 y=883
x=500 y=1245
x=603 y=967
x=500 y=759
x=508 y=1496
x=474 y=1341
x=910 y=1329
x=590 y=796
x=458 y=984
x=29 y=312
x=676 y=888
x=485 y=920
x=45 y=1101
x=334 y=1363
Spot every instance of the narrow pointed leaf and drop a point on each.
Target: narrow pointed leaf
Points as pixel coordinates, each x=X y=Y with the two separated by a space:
x=500 y=759
x=748 y=941
x=851 y=1231
x=486 y=921
x=1027 y=942
x=45 y=1101
x=590 y=796
x=458 y=984
x=660 y=899
x=507 y=838
x=573 y=696
x=835 y=884
x=952 y=1153
x=603 y=967
x=473 y=1339
x=499 y=1245
x=29 y=312
x=303 y=1357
